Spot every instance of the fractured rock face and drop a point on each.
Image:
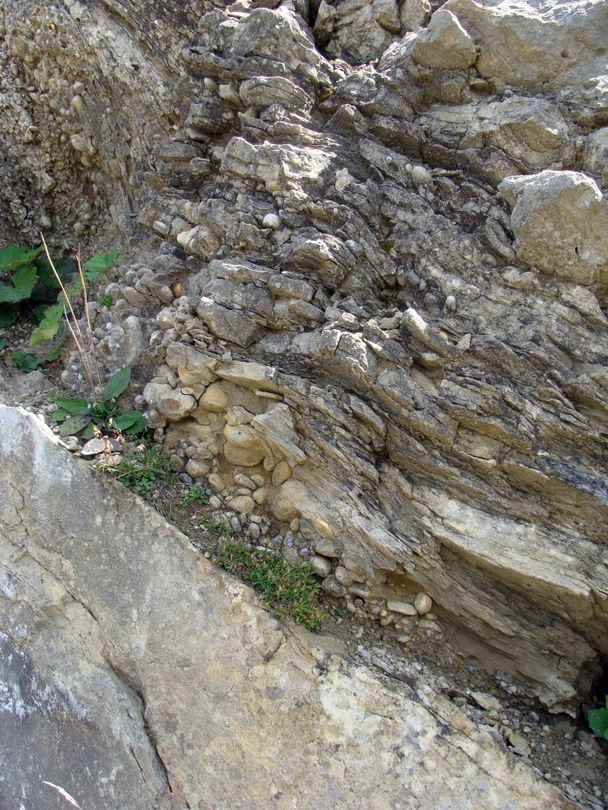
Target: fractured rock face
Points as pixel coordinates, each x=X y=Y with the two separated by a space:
x=343 y=290
x=134 y=674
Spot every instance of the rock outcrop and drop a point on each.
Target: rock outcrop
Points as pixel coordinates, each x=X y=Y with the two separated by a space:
x=343 y=294
x=135 y=675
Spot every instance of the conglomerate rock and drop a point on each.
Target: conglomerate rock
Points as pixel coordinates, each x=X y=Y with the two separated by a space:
x=341 y=289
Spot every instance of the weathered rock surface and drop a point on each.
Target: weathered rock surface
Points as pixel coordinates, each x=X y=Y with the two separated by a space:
x=427 y=355
x=135 y=675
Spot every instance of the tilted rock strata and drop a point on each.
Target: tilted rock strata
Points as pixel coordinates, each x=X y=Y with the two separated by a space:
x=136 y=675
x=350 y=296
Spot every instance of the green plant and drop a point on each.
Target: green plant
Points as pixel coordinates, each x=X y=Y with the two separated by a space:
x=194 y=494
x=105 y=300
x=290 y=590
x=49 y=289
x=142 y=470
x=81 y=415
x=216 y=527
x=25 y=361
x=598 y=720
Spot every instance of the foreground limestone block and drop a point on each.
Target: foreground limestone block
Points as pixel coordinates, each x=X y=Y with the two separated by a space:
x=135 y=675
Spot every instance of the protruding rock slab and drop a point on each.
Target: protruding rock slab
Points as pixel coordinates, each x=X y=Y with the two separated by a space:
x=136 y=675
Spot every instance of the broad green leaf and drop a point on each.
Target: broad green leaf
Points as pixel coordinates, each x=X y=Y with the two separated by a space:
x=25 y=361
x=117 y=383
x=74 y=424
x=138 y=426
x=598 y=720
x=24 y=281
x=88 y=432
x=131 y=422
x=49 y=325
x=124 y=421
x=2 y=342
x=73 y=406
x=99 y=263
x=54 y=354
x=8 y=314
x=13 y=257
x=65 y=269
x=58 y=416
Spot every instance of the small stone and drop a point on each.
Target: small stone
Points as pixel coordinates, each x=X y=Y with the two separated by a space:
x=71 y=443
x=260 y=495
x=343 y=180
x=196 y=469
x=331 y=586
x=214 y=398
x=401 y=607
x=320 y=565
x=519 y=743
x=290 y=553
x=272 y=221
x=425 y=624
x=488 y=702
x=344 y=576
x=216 y=482
x=93 y=448
x=254 y=531
x=244 y=481
x=450 y=303
x=421 y=177
x=295 y=524
x=215 y=502
x=328 y=549
x=282 y=472
x=423 y=603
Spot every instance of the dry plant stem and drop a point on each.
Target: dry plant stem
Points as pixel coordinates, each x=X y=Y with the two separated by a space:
x=72 y=321
x=91 y=345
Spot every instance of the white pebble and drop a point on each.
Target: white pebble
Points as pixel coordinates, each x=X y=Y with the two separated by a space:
x=423 y=603
x=272 y=221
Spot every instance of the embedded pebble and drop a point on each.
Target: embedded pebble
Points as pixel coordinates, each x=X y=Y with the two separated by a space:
x=421 y=177
x=423 y=603
x=331 y=586
x=216 y=482
x=488 y=702
x=282 y=472
x=343 y=180
x=260 y=495
x=272 y=221
x=244 y=481
x=320 y=565
x=328 y=549
x=401 y=607
x=344 y=576
x=196 y=469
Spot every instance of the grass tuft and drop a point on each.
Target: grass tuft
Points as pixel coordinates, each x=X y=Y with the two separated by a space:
x=143 y=470
x=291 y=590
